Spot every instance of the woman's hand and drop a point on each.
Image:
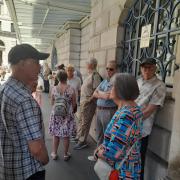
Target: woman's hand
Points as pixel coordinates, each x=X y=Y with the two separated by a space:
x=98 y=153
x=95 y=154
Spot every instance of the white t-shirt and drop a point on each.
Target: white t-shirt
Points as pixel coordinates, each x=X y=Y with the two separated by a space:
x=75 y=82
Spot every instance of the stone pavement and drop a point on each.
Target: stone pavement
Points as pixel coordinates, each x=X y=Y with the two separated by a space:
x=78 y=167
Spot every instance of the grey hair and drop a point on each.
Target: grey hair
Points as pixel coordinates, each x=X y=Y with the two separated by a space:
x=93 y=61
x=125 y=86
x=113 y=62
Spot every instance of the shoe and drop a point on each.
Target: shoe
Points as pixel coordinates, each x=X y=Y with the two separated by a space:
x=54 y=155
x=73 y=139
x=80 y=145
x=67 y=157
x=91 y=158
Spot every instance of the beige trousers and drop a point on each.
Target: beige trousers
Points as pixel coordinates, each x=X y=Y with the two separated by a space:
x=87 y=111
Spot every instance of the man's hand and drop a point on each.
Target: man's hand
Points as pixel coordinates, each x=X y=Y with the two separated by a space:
x=38 y=150
x=148 y=110
x=101 y=95
x=105 y=95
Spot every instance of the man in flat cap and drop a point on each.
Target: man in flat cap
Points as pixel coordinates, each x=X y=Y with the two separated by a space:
x=151 y=98
x=22 y=147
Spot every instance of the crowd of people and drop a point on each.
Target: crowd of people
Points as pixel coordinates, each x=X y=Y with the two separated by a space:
x=124 y=110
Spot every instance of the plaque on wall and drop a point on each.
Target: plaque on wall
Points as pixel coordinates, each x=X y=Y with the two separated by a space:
x=145 y=36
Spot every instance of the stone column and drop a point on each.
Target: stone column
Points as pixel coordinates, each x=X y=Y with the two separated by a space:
x=174 y=155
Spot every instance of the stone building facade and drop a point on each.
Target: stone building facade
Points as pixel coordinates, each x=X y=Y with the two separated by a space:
x=100 y=35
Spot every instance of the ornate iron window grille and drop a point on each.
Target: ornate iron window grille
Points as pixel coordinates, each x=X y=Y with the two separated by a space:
x=164 y=17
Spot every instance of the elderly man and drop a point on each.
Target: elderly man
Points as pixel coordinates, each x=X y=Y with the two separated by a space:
x=74 y=81
x=87 y=103
x=105 y=106
x=152 y=95
x=22 y=147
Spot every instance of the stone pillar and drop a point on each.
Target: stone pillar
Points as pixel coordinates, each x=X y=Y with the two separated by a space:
x=68 y=44
x=174 y=155
x=74 y=42
x=85 y=38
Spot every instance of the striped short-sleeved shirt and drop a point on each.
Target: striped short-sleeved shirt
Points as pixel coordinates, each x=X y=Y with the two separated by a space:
x=23 y=119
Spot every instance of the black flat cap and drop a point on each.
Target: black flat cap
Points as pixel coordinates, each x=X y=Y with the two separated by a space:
x=25 y=51
x=148 y=61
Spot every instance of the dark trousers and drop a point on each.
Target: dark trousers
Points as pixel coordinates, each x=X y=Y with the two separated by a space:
x=144 y=145
x=38 y=176
x=46 y=86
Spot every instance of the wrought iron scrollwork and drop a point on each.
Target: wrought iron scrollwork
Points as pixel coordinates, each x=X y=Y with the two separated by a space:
x=164 y=17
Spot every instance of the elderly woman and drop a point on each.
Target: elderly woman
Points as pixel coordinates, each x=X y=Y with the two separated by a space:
x=121 y=139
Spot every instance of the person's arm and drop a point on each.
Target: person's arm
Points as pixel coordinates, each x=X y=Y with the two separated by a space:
x=156 y=101
x=148 y=110
x=52 y=95
x=100 y=94
x=30 y=124
x=74 y=99
x=38 y=150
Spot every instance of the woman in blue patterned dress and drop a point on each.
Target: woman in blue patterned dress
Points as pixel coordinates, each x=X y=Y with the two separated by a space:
x=60 y=126
x=123 y=130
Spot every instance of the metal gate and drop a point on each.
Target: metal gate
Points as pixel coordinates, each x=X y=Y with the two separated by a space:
x=164 y=19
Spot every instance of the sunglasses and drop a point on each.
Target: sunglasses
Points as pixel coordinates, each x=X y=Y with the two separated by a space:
x=109 y=69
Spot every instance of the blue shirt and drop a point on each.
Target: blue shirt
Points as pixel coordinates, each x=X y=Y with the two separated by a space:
x=105 y=86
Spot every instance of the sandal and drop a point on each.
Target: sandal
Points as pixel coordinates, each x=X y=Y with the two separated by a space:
x=67 y=157
x=54 y=155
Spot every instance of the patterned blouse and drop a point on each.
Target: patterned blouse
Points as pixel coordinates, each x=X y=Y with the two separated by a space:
x=124 y=129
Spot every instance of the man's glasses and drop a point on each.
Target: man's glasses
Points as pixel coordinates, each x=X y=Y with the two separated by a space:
x=109 y=69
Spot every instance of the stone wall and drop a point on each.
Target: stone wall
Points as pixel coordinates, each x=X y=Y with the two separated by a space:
x=174 y=155
x=85 y=38
x=159 y=142
x=63 y=46
x=103 y=33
